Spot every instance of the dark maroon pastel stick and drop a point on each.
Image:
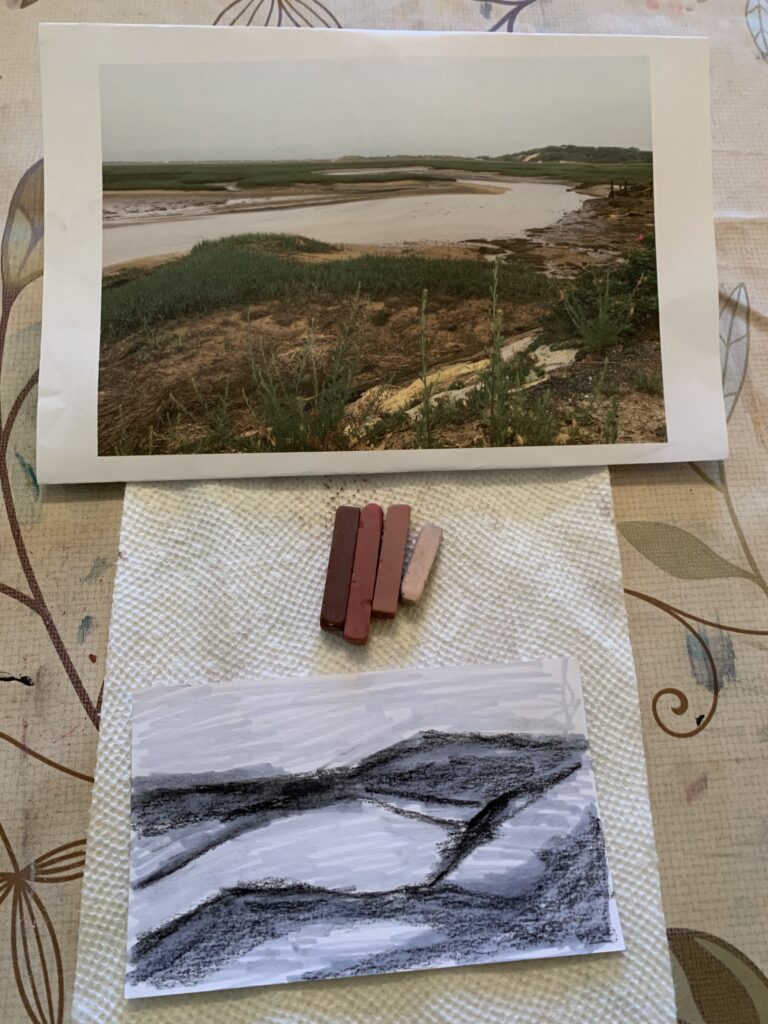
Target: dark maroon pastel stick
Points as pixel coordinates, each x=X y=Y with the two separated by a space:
x=340 y=562
x=358 y=618
x=386 y=596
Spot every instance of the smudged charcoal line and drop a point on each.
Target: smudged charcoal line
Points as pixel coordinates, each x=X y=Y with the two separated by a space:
x=587 y=859
x=225 y=925
x=403 y=795
x=195 y=850
x=484 y=825
x=155 y=811
x=217 y=783
x=249 y=817
x=265 y=817
x=461 y=769
x=447 y=823
x=574 y=895
x=434 y=764
x=567 y=906
x=480 y=781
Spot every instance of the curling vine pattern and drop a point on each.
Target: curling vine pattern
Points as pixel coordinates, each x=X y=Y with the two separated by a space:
x=21 y=263
x=512 y=11
x=35 y=950
x=682 y=555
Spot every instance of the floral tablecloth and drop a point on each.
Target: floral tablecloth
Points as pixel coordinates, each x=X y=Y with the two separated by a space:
x=694 y=539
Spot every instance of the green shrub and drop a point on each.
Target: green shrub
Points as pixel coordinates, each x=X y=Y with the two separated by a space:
x=601 y=309
x=500 y=400
x=534 y=417
x=211 y=415
x=264 y=242
x=648 y=383
x=303 y=401
x=599 y=320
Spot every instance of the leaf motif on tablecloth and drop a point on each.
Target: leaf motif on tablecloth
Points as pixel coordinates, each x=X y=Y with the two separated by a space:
x=715 y=983
x=21 y=250
x=64 y=864
x=35 y=949
x=678 y=553
x=512 y=10
x=734 y=345
x=288 y=13
x=757 y=21
x=36 y=958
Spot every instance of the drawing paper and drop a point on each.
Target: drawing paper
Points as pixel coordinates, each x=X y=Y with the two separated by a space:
x=235 y=287
x=330 y=827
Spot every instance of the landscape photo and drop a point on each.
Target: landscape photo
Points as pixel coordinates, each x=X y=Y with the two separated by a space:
x=448 y=255
x=303 y=830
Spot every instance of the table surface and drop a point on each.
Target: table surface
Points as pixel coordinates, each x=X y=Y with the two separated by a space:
x=693 y=539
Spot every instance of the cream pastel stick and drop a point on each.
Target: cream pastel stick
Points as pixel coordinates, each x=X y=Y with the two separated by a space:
x=420 y=565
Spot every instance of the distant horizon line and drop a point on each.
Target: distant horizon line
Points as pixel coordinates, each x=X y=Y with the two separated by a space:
x=378 y=156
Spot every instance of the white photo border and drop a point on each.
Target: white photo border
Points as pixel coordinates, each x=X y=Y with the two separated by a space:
x=71 y=56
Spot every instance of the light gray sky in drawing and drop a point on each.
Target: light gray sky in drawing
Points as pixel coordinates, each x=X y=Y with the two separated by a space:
x=300 y=724
x=324 y=109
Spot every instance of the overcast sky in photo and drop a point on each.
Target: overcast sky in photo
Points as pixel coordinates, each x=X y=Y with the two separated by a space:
x=294 y=110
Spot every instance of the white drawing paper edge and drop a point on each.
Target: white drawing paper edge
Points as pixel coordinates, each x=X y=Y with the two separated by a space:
x=68 y=391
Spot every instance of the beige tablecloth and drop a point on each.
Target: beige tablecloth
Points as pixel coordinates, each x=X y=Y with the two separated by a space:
x=694 y=544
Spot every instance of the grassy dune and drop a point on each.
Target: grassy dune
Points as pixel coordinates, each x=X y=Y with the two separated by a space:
x=256 y=268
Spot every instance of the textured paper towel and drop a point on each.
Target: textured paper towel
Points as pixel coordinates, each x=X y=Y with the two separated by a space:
x=224 y=580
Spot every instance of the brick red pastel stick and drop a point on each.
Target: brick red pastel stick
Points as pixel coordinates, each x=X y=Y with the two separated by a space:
x=339 y=574
x=386 y=596
x=423 y=557
x=358 y=618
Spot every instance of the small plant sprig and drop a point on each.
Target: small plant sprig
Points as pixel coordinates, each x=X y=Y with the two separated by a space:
x=425 y=421
x=495 y=382
x=304 y=404
x=611 y=424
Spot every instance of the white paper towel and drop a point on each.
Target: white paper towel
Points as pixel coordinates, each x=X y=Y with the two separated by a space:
x=223 y=580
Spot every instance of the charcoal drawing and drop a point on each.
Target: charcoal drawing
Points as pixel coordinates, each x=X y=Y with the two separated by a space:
x=445 y=846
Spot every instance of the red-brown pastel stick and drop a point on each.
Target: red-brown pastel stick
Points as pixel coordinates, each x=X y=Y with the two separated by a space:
x=386 y=596
x=358 y=618
x=339 y=575
x=420 y=565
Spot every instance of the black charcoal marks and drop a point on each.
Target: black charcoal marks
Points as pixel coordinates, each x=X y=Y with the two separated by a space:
x=444 y=848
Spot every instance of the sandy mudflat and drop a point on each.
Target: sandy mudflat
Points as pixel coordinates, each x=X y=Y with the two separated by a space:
x=476 y=207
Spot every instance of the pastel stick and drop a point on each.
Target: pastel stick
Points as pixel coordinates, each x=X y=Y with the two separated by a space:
x=386 y=596
x=339 y=574
x=358 y=620
x=423 y=558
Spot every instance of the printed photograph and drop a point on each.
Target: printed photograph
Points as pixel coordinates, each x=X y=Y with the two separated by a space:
x=304 y=831
x=438 y=254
